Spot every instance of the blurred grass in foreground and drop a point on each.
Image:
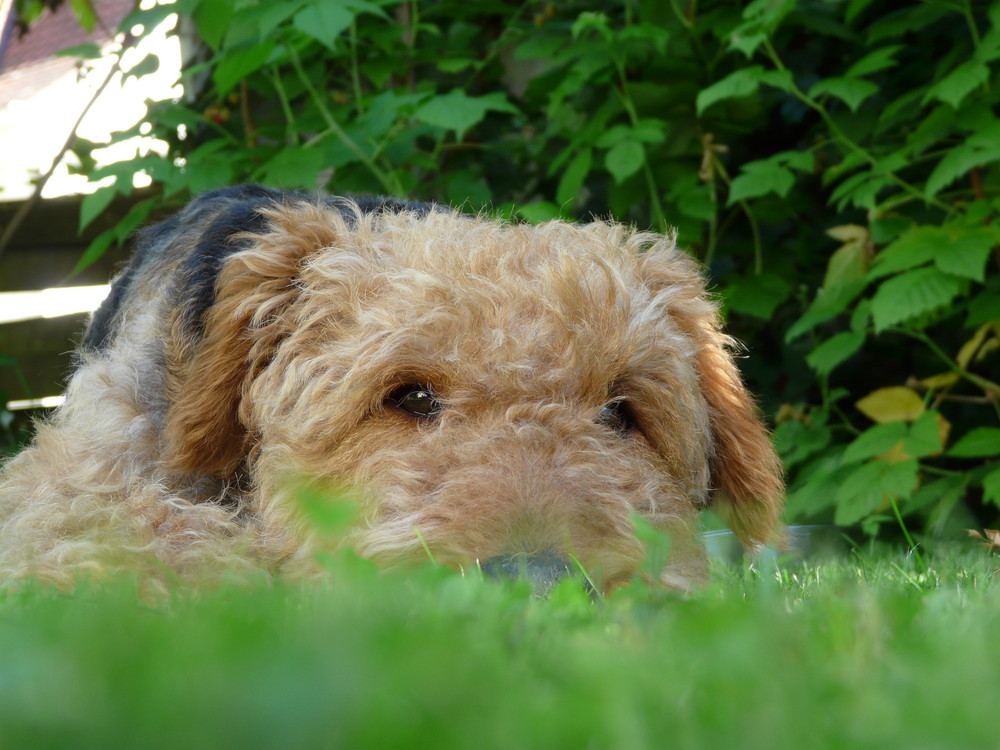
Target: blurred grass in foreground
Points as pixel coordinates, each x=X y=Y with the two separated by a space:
x=866 y=652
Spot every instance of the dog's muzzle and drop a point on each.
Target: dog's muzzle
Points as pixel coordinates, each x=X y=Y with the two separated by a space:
x=543 y=570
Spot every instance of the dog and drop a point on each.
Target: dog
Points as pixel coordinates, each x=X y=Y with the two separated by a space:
x=501 y=395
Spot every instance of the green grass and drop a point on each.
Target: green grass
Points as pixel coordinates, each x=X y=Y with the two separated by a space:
x=871 y=651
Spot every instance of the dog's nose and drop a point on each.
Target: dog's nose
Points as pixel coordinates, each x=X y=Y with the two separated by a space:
x=543 y=570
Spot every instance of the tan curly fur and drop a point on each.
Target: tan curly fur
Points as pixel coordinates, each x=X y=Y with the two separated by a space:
x=177 y=446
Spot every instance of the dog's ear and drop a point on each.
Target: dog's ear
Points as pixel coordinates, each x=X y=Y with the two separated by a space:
x=214 y=358
x=746 y=474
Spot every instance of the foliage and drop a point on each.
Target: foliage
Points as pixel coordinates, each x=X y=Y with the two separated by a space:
x=867 y=653
x=834 y=163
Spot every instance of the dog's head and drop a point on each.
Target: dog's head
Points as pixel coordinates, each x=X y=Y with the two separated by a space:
x=496 y=389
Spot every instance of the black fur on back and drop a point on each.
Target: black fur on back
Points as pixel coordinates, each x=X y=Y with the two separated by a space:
x=214 y=218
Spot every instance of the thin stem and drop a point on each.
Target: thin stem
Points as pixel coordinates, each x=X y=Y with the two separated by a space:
x=758 y=249
x=684 y=20
x=390 y=185
x=655 y=204
x=987 y=385
x=843 y=137
x=971 y=21
x=355 y=77
x=291 y=129
x=25 y=208
x=906 y=533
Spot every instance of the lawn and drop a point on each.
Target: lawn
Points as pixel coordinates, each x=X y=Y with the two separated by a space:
x=872 y=650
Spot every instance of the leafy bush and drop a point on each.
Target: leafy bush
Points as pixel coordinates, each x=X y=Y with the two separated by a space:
x=833 y=163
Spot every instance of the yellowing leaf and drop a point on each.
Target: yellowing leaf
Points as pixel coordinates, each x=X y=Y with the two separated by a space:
x=896 y=454
x=972 y=347
x=937 y=382
x=920 y=446
x=849 y=233
x=944 y=430
x=894 y=404
x=849 y=262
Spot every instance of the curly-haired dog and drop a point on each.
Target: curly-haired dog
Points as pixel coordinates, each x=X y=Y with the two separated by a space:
x=500 y=392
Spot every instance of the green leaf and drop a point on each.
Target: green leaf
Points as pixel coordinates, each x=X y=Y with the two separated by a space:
x=891 y=25
x=757 y=294
x=967 y=252
x=855 y=8
x=747 y=43
x=95 y=203
x=589 y=20
x=942 y=492
x=742 y=82
x=847 y=263
x=272 y=15
x=293 y=167
x=536 y=213
x=323 y=21
x=830 y=301
x=149 y=64
x=212 y=18
x=915 y=247
x=614 y=135
x=84 y=12
x=869 y=486
x=987 y=135
x=851 y=91
x=991 y=486
x=327 y=510
x=458 y=111
x=796 y=441
x=647 y=130
x=760 y=178
x=650 y=130
x=88 y=51
x=859 y=190
x=625 y=159
x=95 y=250
x=134 y=218
x=874 y=441
x=924 y=436
x=957 y=162
x=825 y=357
x=958 y=84
x=572 y=178
x=861 y=316
x=236 y=66
x=804 y=161
x=875 y=61
x=779 y=79
x=455 y=64
x=980 y=442
x=911 y=294
x=983 y=308
x=466 y=189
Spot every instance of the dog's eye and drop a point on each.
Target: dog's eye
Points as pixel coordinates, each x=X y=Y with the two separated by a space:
x=616 y=416
x=418 y=400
